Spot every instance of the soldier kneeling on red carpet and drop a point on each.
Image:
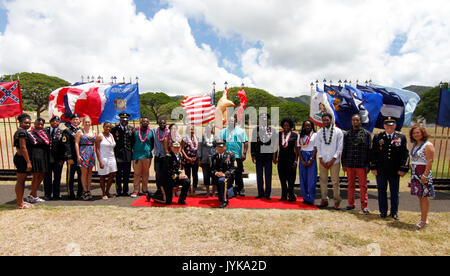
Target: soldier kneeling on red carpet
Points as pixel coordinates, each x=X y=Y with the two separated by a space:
x=172 y=165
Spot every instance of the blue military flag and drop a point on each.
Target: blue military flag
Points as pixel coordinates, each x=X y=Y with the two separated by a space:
x=409 y=98
x=443 y=118
x=121 y=98
x=393 y=106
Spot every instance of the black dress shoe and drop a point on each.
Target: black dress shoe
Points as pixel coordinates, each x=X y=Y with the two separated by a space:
x=224 y=205
x=182 y=202
x=395 y=216
x=149 y=196
x=125 y=194
x=292 y=199
x=259 y=197
x=72 y=197
x=268 y=198
x=349 y=208
x=282 y=199
x=57 y=198
x=383 y=216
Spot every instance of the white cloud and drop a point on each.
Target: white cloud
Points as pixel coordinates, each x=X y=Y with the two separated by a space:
x=315 y=39
x=301 y=41
x=106 y=37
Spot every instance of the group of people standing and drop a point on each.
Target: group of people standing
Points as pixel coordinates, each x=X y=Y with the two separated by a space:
x=221 y=156
x=324 y=152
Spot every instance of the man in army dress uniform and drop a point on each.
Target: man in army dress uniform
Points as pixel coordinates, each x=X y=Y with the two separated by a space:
x=175 y=178
x=70 y=155
x=223 y=170
x=124 y=136
x=52 y=180
x=389 y=162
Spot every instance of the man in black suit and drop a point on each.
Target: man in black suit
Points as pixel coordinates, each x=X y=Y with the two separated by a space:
x=223 y=170
x=70 y=155
x=124 y=136
x=52 y=180
x=388 y=162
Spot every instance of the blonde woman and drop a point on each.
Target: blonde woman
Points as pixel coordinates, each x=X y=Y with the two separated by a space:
x=84 y=147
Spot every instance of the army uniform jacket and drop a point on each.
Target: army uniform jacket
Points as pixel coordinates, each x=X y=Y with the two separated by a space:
x=57 y=149
x=266 y=140
x=225 y=165
x=124 y=143
x=389 y=156
x=174 y=165
x=68 y=139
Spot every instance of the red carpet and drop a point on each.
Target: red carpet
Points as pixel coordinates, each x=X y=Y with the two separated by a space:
x=237 y=202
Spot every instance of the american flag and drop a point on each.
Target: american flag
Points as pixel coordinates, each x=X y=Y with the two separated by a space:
x=199 y=109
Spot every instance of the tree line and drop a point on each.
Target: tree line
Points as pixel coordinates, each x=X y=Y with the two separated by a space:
x=36 y=88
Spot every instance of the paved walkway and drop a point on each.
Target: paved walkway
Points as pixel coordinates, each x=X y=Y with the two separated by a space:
x=407 y=202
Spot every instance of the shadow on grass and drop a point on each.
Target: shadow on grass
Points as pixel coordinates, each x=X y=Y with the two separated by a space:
x=7 y=207
x=390 y=222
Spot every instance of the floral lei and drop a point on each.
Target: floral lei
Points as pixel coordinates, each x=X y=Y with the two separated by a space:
x=285 y=139
x=194 y=146
x=358 y=141
x=166 y=131
x=308 y=140
x=41 y=134
x=146 y=134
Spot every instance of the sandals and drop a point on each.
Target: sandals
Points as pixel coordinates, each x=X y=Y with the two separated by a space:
x=421 y=224
x=86 y=196
x=25 y=206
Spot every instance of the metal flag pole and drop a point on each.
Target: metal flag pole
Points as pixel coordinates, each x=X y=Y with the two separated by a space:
x=213 y=94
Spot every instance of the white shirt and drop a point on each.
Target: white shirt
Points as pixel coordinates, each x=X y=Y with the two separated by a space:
x=334 y=149
x=311 y=145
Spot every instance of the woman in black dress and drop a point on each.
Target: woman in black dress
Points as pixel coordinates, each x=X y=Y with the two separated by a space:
x=189 y=148
x=287 y=159
x=22 y=159
x=39 y=158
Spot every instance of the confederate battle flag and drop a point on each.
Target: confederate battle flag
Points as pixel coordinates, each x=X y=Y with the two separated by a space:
x=10 y=99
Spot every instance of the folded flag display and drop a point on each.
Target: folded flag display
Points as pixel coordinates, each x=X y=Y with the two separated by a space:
x=101 y=102
x=10 y=99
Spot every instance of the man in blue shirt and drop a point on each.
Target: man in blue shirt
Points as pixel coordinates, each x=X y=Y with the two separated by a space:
x=236 y=139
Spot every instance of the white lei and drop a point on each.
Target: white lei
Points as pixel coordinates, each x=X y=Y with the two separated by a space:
x=285 y=139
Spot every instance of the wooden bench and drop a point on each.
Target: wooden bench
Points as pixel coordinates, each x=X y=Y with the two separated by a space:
x=10 y=175
x=440 y=184
x=343 y=181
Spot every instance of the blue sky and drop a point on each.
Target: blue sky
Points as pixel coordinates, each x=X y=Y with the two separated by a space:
x=228 y=49
x=291 y=49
